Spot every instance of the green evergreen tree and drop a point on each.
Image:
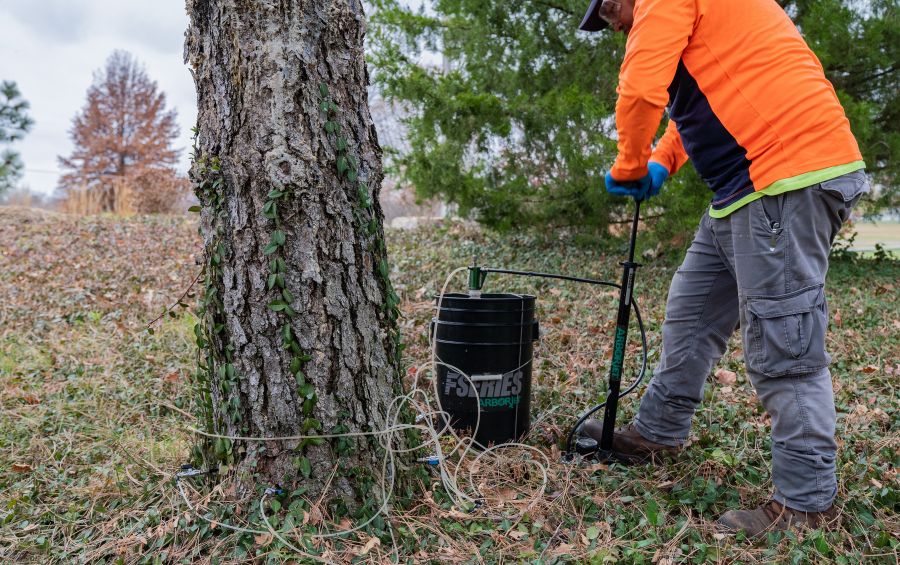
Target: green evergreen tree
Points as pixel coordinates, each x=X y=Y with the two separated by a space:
x=515 y=123
x=14 y=124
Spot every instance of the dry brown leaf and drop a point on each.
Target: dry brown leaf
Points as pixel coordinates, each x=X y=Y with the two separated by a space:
x=562 y=549
x=373 y=541
x=868 y=369
x=726 y=377
x=31 y=399
x=263 y=540
x=315 y=516
x=21 y=467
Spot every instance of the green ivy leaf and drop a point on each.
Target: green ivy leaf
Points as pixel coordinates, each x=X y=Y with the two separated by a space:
x=275 y=505
x=278 y=237
x=304 y=467
x=286 y=294
x=296 y=363
x=271 y=282
x=277 y=306
x=279 y=280
x=383 y=268
x=194 y=209
x=270 y=209
x=351 y=175
x=291 y=312
x=323 y=88
x=275 y=193
x=311 y=424
x=286 y=332
x=341 y=164
x=271 y=248
x=652 y=511
x=341 y=143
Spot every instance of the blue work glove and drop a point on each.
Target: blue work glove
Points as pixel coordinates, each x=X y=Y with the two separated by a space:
x=636 y=189
x=642 y=188
x=658 y=175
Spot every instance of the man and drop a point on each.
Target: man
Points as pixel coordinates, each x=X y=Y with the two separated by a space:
x=749 y=104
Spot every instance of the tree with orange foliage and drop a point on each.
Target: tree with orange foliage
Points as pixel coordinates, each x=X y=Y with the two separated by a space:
x=123 y=141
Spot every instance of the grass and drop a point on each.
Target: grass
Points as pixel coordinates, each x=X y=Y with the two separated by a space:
x=93 y=414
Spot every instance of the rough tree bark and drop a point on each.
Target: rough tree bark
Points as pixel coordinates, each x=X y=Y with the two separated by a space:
x=266 y=125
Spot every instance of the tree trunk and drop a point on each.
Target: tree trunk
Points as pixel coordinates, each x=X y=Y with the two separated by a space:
x=299 y=332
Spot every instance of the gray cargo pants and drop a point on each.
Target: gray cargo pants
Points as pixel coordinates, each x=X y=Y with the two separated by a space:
x=763 y=265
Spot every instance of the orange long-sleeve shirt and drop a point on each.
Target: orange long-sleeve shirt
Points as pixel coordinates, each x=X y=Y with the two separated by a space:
x=748 y=100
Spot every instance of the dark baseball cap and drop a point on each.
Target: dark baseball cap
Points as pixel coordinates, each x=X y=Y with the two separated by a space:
x=592 y=20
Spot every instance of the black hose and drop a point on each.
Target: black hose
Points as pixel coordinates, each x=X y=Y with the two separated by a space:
x=637 y=315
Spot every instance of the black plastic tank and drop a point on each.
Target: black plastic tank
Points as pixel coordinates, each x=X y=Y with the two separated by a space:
x=490 y=339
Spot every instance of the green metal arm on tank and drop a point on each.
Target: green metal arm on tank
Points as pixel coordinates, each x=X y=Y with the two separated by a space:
x=477 y=275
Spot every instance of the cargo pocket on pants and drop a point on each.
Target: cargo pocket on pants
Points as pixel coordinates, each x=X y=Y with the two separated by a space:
x=787 y=332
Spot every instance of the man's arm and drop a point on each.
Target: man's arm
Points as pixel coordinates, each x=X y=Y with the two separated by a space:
x=660 y=33
x=669 y=151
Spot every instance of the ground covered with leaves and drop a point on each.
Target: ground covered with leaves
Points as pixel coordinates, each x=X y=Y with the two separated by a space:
x=94 y=408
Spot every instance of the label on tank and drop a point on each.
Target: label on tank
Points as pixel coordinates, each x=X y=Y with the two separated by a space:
x=493 y=393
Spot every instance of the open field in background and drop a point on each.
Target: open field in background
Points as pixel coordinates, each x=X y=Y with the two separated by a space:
x=92 y=414
x=870 y=233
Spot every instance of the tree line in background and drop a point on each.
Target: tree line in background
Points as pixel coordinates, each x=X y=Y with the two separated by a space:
x=515 y=124
x=509 y=114
x=123 y=159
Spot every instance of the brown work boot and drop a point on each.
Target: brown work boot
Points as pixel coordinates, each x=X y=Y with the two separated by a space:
x=628 y=444
x=772 y=517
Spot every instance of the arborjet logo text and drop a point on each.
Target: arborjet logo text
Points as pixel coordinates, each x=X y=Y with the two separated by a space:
x=492 y=392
